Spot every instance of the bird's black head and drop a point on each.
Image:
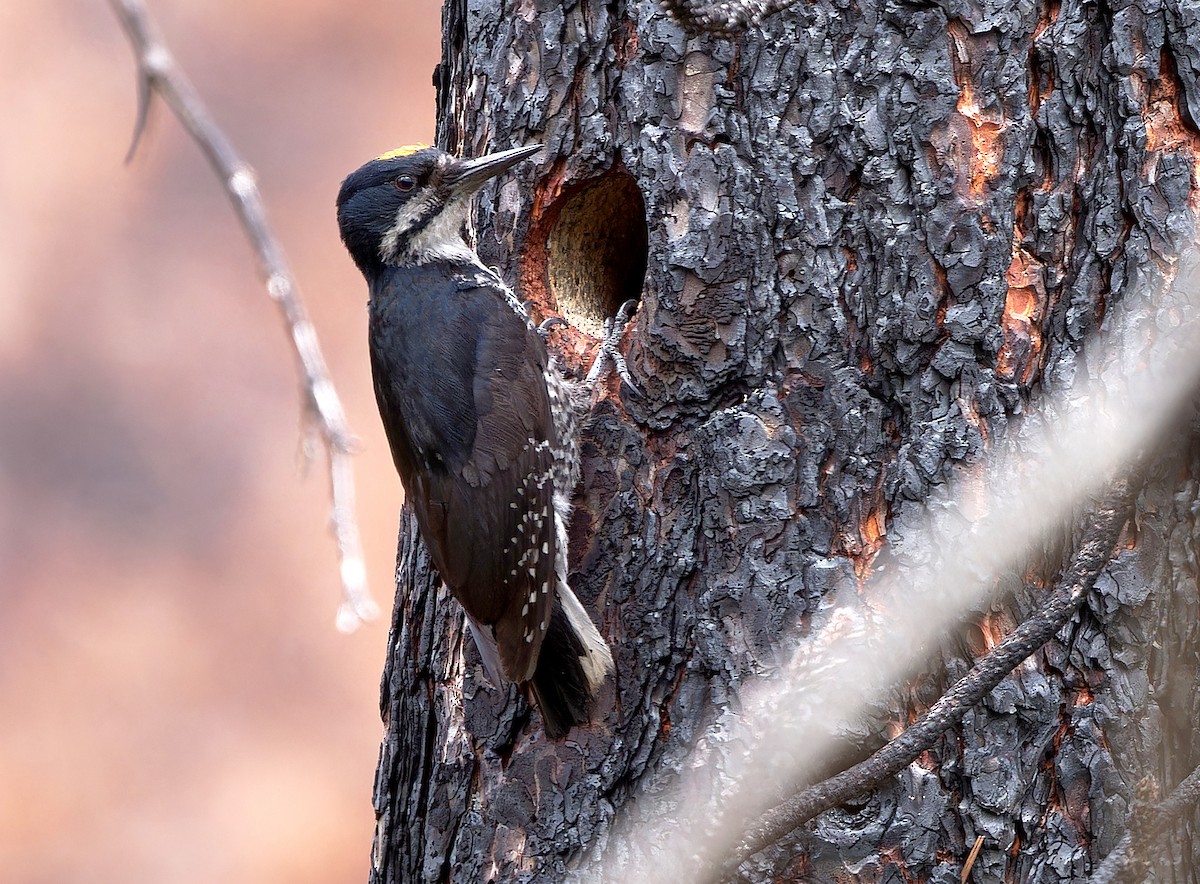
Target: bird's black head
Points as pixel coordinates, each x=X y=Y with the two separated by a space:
x=408 y=206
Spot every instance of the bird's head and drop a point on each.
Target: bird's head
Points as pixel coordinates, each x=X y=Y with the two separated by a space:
x=408 y=206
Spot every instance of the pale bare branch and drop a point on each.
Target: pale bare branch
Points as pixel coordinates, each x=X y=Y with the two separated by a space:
x=158 y=74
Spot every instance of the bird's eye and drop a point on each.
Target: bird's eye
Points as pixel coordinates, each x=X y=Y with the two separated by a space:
x=405 y=183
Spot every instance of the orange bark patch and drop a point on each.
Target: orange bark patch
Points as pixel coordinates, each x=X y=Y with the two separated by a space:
x=871 y=536
x=1039 y=92
x=984 y=126
x=987 y=143
x=626 y=43
x=873 y=530
x=1166 y=130
x=1047 y=16
x=992 y=628
x=1021 y=352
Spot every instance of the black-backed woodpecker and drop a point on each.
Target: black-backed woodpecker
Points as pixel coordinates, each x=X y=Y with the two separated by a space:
x=481 y=422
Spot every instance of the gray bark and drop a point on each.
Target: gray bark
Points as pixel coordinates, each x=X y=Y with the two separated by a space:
x=876 y=231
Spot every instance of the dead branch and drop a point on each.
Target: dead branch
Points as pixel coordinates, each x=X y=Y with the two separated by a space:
x=1147 y=826
x=1093 y=553
x=159 y=73
x=722 y=18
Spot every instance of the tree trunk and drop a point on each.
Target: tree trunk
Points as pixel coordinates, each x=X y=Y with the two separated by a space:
x=870 y=234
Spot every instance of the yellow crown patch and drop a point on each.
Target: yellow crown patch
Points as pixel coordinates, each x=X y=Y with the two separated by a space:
x=405 y=151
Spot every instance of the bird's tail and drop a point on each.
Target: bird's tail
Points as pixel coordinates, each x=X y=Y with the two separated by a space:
x=571 y=667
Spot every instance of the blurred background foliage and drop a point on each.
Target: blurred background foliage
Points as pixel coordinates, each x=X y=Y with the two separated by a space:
x=175 y=703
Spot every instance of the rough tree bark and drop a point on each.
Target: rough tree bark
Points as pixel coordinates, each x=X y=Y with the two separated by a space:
x=871 y=233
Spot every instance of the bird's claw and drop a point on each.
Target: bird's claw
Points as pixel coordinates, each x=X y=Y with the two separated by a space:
x=610 y=347
x=543 y=329
x=549 y=323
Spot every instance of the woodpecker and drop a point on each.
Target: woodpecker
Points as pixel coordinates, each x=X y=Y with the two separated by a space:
x=480 y=421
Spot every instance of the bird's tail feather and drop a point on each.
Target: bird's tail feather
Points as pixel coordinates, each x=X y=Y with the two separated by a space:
x=572 y=665
x=485 y=641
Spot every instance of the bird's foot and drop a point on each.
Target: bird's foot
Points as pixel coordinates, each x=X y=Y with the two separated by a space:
x=610 y=347
x=549 y=323
x=543 y=329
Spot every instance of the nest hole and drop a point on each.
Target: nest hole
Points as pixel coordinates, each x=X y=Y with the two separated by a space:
x=597 y=250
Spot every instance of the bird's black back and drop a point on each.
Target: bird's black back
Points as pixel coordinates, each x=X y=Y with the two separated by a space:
x=460 y=384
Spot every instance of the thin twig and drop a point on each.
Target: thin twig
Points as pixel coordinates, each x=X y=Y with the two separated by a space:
x=159 y=74
x=1156 y=822
x=1093 y=553
x=971 y=857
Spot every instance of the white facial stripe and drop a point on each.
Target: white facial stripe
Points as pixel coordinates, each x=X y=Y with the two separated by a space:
x=441 y=238
x=410 y=213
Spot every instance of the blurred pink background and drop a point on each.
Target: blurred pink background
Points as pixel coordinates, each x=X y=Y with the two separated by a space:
x=175 y=702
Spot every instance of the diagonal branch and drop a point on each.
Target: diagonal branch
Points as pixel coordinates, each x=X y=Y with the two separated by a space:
x=1093 y=553
x=722 y=18
x=159 y=74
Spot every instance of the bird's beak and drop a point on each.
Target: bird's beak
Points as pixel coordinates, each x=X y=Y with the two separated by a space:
x=467 y=176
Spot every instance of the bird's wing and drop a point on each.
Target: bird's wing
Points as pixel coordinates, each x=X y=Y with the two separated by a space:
x=503 y=495
x=460 y=380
